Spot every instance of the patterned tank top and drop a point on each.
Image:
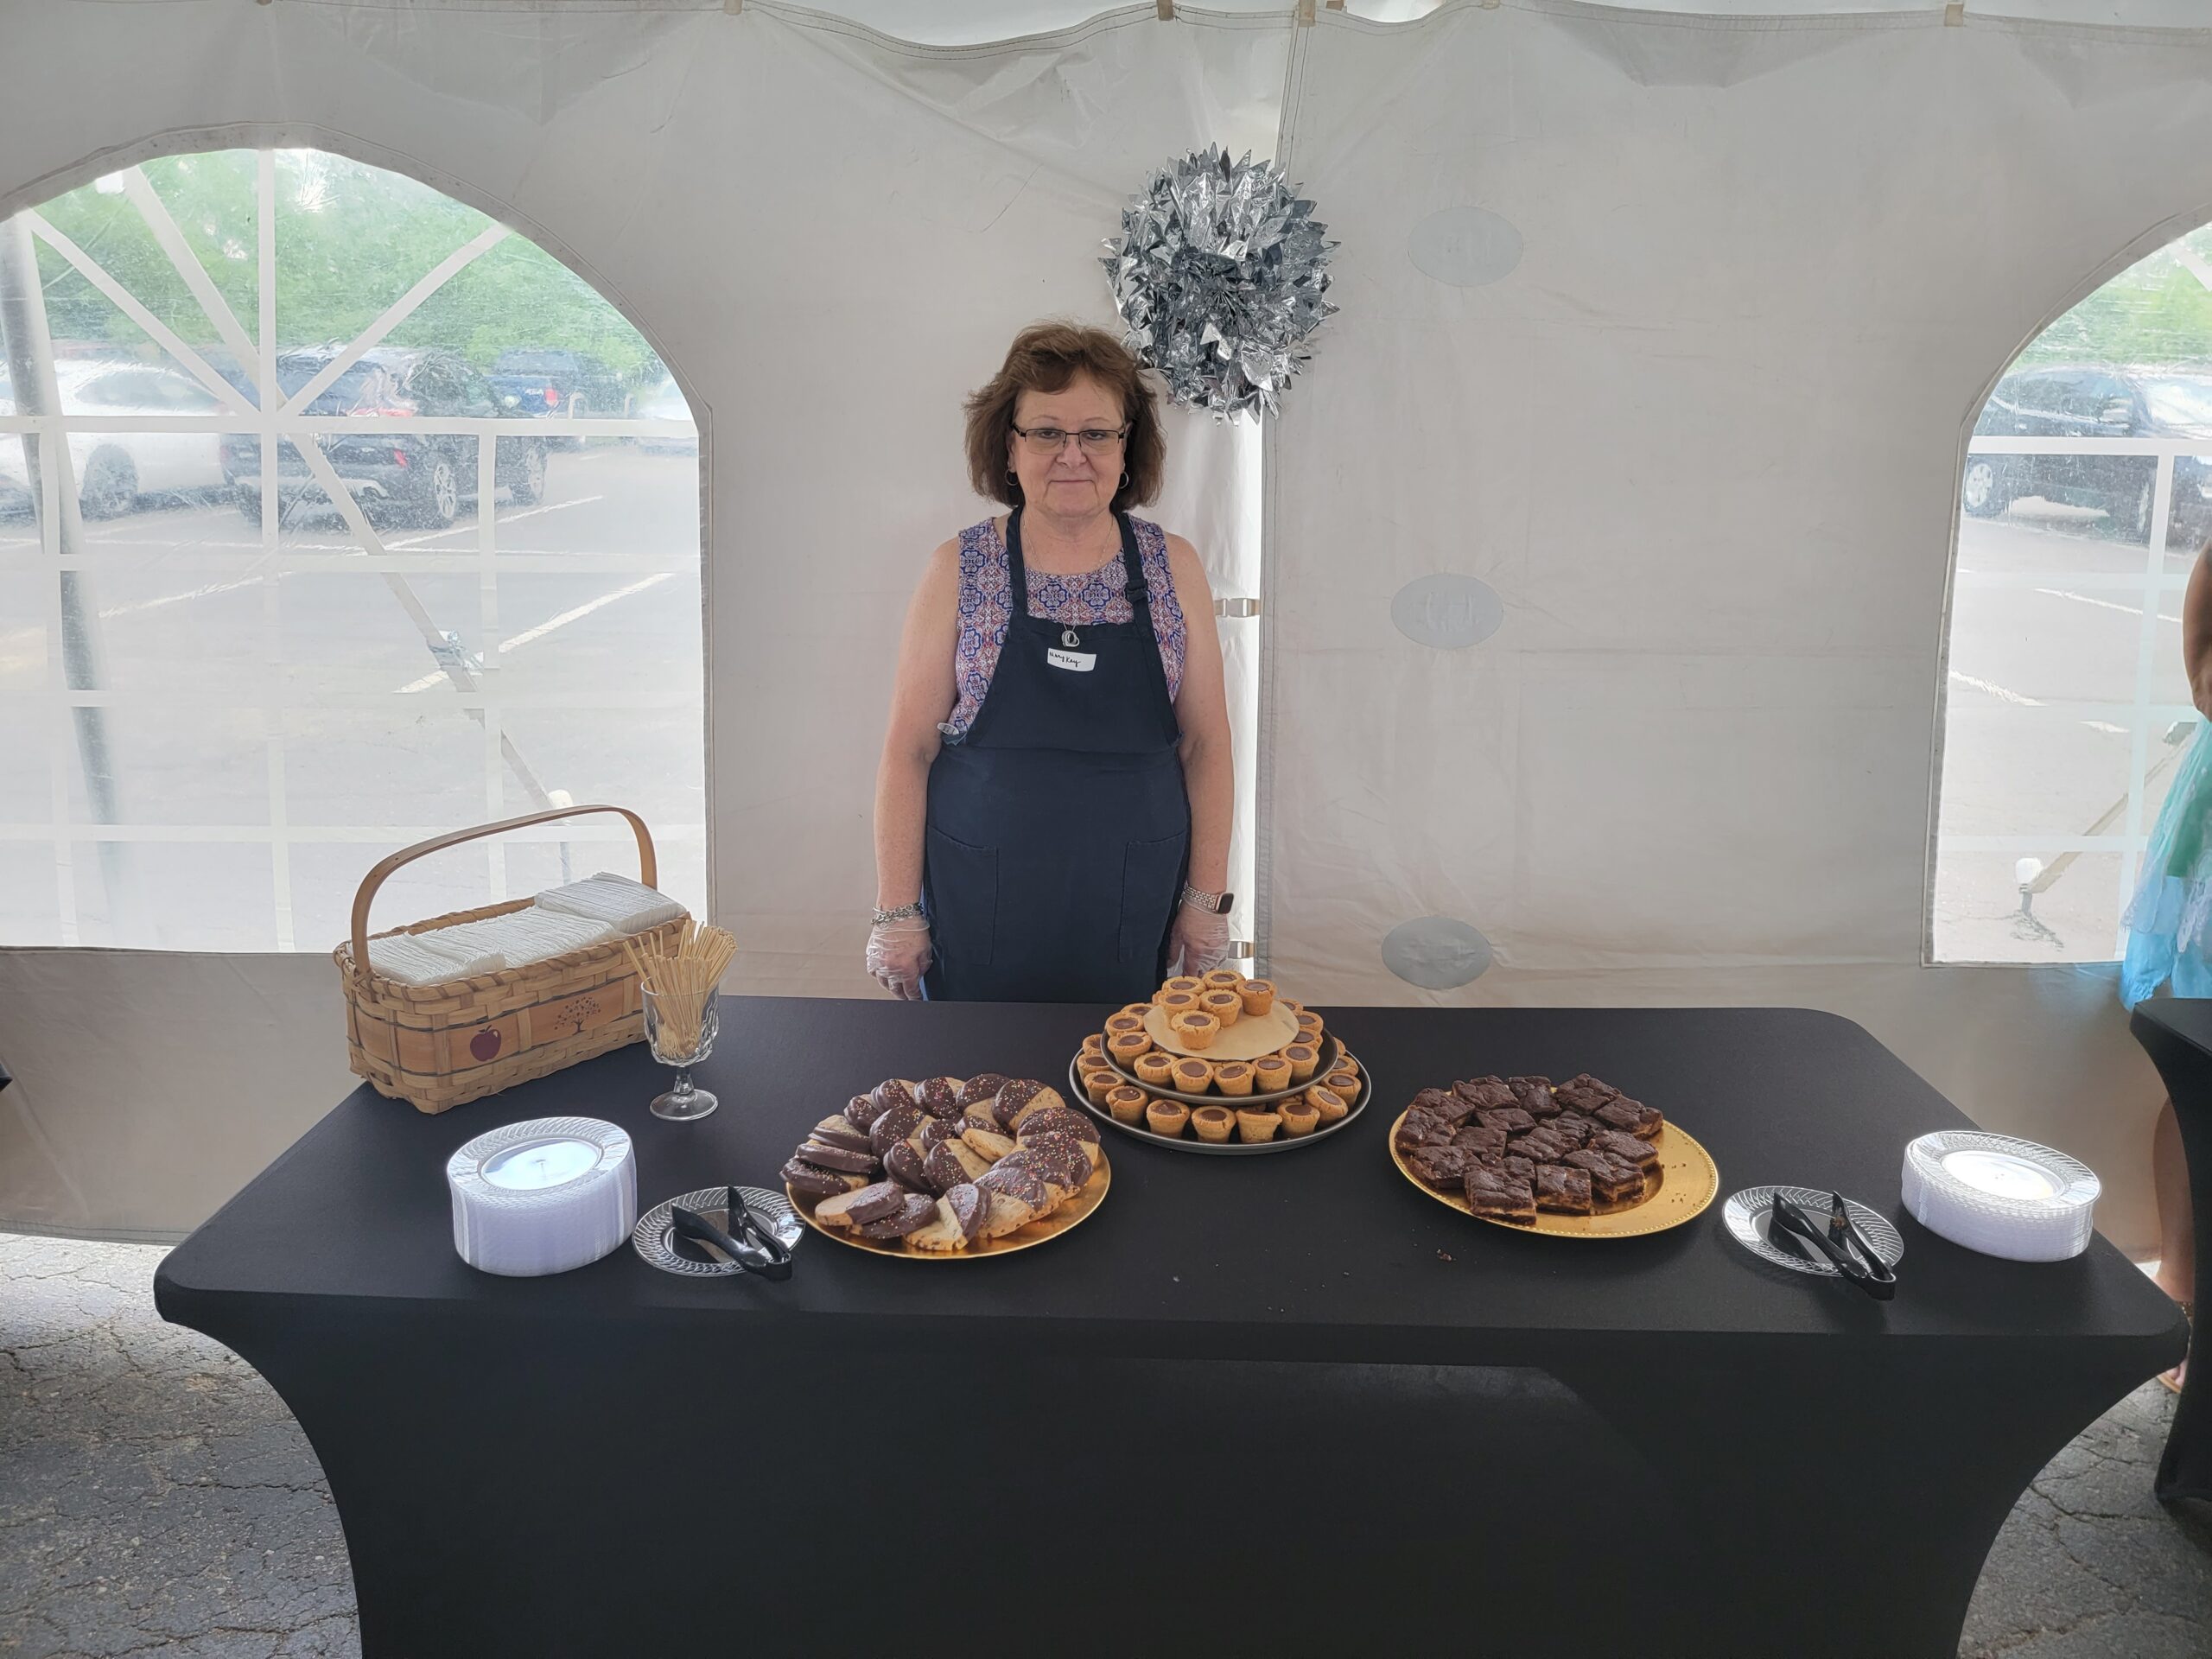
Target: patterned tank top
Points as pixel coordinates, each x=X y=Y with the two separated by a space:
x=1099 y=596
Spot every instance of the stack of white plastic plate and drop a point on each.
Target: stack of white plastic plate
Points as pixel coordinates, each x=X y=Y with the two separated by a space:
x=542 y=1196
x=1999 y=1196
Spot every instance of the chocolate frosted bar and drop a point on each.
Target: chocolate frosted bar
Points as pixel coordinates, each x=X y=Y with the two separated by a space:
x=1584 y=1093
x=1510 y=1119
x=1442 y=1104
x=1499 y=1197
x=1542 y=1145
x=1443 y=1167
x=1533 y=1095
x=1484 y=1094
x=1613 y=1180
x=1632 y=1117
x=1575 y=1128
x=1642 y=1153
x=1477 y=1138
x=1564 y=1189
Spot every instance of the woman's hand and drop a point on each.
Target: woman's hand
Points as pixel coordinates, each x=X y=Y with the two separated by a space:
x=1199 y=940
x=899 y=955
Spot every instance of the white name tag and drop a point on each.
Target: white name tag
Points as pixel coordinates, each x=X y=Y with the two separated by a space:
x=1077 y=661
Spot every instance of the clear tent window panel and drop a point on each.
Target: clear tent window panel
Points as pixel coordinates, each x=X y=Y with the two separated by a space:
x=2085 y=496
x=333 y=515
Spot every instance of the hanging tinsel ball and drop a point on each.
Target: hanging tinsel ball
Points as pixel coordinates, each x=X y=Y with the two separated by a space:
x=1220 y=274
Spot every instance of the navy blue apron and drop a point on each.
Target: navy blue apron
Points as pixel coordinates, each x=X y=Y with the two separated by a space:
x=1058 y=833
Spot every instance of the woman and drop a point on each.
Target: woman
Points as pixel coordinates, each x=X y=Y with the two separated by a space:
x=2169 y=935
x=1052 y=808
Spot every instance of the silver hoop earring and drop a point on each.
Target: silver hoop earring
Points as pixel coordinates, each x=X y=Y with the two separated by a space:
x=1123 y=485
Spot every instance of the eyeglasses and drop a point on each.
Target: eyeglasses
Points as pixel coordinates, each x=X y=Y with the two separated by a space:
x=1095 y=440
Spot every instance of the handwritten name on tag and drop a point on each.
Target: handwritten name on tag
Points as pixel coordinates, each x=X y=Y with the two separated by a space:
x=1076 y=662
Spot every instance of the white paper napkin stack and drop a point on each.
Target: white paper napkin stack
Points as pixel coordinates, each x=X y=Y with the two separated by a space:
x=624 y=906
x=529 y=935
x=432 y=959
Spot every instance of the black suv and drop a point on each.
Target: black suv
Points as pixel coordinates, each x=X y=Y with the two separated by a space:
x=420 y=478
x=2096 y=402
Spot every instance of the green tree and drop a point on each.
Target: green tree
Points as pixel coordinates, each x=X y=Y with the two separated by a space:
x=351 y=240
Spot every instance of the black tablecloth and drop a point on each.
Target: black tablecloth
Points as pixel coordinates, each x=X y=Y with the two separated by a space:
x=2177 y=1032
x=1801 y=1454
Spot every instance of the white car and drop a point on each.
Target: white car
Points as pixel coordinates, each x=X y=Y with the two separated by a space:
x=662 y=402
x=114 y=470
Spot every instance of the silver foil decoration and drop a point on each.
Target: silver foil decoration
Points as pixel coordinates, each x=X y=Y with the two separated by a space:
x=1220 y=274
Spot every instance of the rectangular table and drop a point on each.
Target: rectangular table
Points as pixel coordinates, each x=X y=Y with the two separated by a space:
x=1288 y=1403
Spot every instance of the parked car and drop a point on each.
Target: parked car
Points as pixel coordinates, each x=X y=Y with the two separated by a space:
x=2095 y=403
x=558 y=384
x=116 y=470
x=418 y=477
x=662 y=402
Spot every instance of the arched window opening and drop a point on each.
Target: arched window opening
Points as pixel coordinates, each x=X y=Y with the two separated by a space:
x=2086 y=493
x=333 y=514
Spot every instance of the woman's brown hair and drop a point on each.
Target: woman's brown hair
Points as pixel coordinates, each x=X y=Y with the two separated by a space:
x=1045 y=357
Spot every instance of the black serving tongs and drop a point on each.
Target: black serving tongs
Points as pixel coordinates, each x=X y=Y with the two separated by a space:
x=752 y=1250
x=1845 y=1247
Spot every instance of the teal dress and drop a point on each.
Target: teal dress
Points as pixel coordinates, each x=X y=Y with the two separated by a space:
x=2170 y=920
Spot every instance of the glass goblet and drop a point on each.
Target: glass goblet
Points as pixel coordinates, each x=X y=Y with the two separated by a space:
x=680 y=1029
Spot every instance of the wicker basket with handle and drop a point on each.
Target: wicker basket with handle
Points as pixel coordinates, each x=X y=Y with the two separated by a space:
x=438 y=1046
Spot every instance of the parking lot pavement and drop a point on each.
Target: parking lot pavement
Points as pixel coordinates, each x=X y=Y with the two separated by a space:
x=313 y=690
x=2056 y=666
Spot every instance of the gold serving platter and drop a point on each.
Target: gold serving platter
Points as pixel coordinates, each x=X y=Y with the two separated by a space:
x=1072 y=1214
x=1332 y=1051
x=1688 y=1182
x=1253 y=1035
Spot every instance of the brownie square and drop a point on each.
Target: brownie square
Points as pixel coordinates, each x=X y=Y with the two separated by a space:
x=1475 y=1137
x=1642 y=1153
x=1584 y=1093
x=1650 y=1119
x=1484 y=1094
x=1631 y=1117
x=1510 y=1119
x=1500 y=1197
x=1613 y=1180
x=1541 y=1144
x=1442 y=1167
x=1563 y=1189
x=1533 y=1095
x=1575 y=1127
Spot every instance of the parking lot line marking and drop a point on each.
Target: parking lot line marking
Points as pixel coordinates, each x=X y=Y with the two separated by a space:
x=503 y=517
x=212 y=589
x=2105 y=604
x=1997 y=691
x=2105 y=725
x=547 y=627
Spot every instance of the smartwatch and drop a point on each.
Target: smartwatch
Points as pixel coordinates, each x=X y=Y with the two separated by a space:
x=1215 y=903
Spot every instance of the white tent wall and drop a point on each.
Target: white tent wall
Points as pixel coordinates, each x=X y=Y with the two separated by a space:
x=1769 y=270
x=831 y=237
x=1703 y=442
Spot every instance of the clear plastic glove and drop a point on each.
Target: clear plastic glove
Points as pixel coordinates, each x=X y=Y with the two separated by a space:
x=899 y=955
x=1199 y=940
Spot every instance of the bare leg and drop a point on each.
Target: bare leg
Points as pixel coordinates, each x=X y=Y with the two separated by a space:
x=2177 y=1231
